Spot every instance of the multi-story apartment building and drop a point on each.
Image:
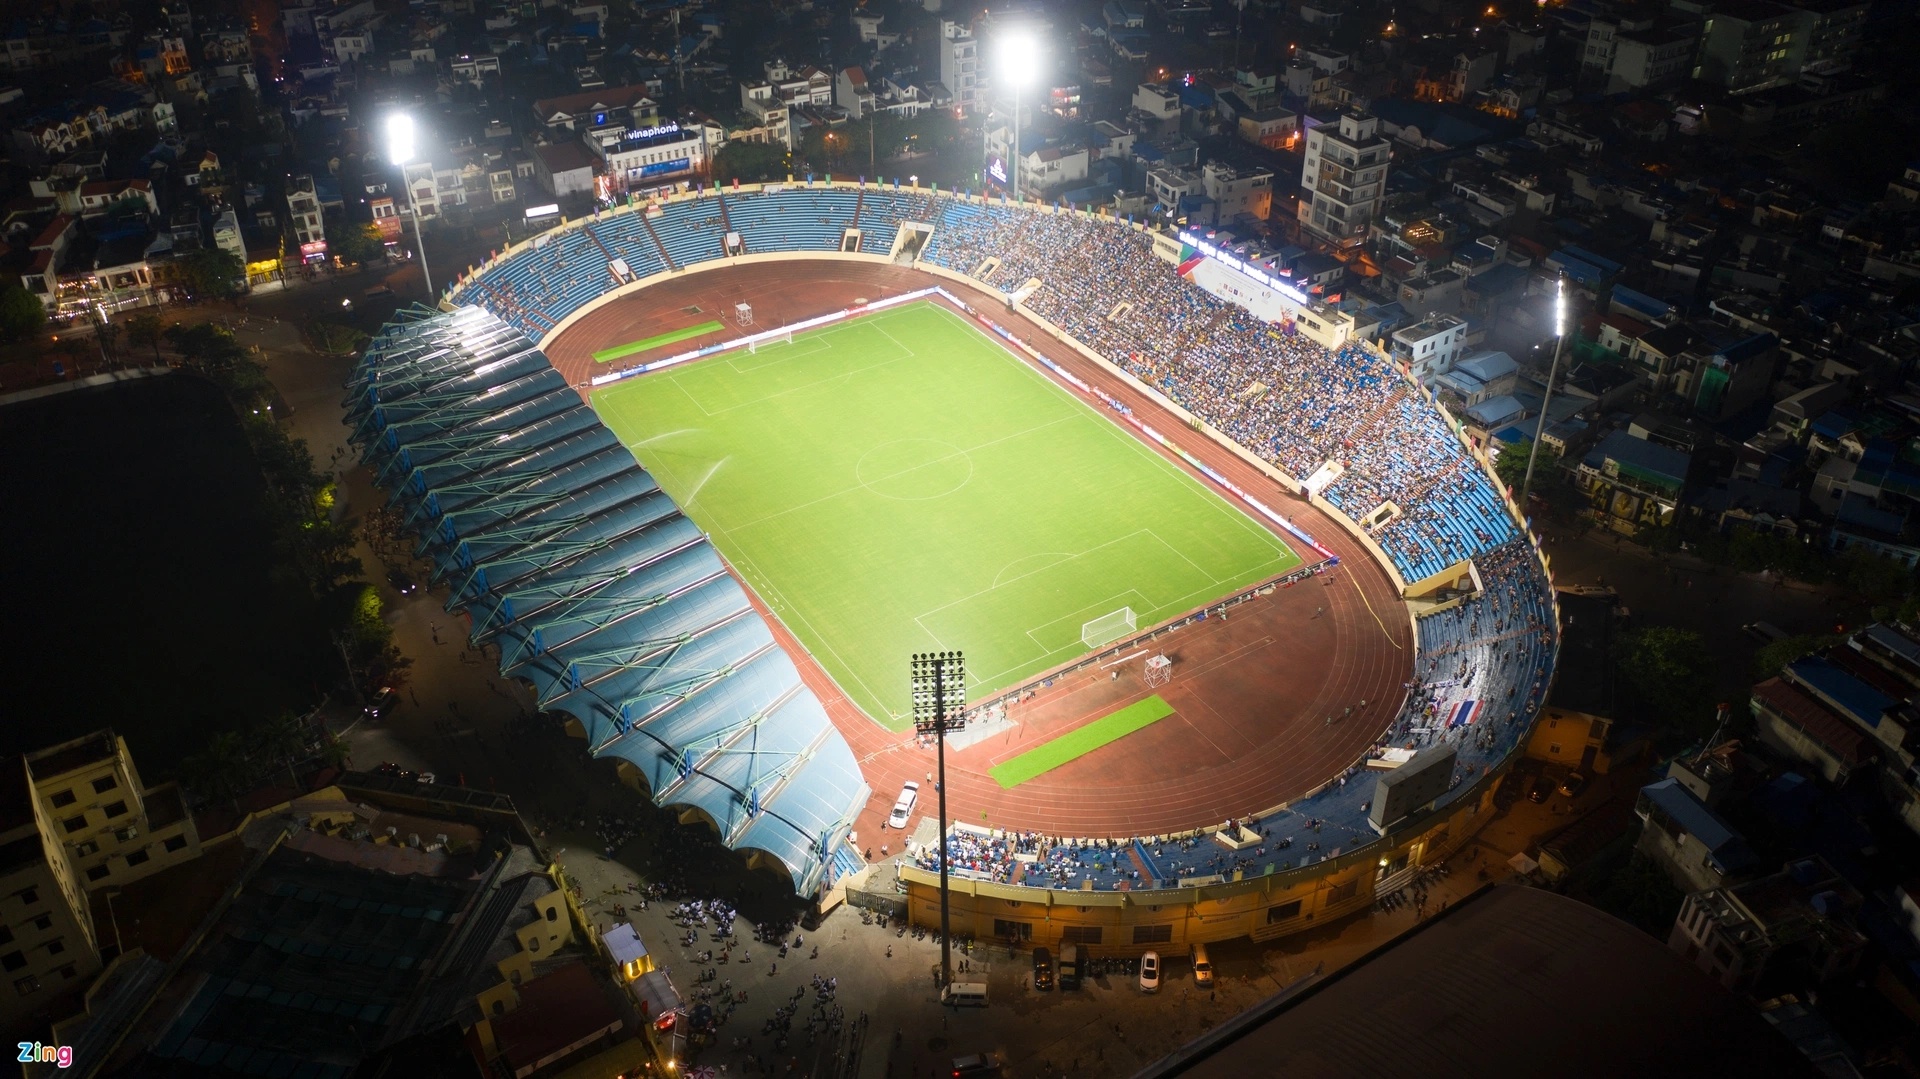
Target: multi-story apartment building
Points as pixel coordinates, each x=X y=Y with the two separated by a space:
x=1430 y=347
x=74 y=818
x=1833 y=32
x=767 y=111
x=1652 y=58
x=1802 y=914
x=1749 y=45
x=1237 y=191
x=960 y=65
x=1344 y=178
x=309 y=223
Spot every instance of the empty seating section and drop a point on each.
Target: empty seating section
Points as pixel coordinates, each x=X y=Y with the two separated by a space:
x=625 y=235
x=797 y=219
x=693 y=231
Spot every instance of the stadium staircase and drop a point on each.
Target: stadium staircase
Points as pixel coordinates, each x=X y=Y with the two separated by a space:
x=595 y=237
x=859 y=203
x=846 y=862
x=1413 y=497
x=726 y=224
x=1372 y=425
x=1143 y=862
x=659 y=243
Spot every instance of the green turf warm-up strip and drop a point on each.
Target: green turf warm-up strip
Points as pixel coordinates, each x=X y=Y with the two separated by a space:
x=1047 y=756
x=608 y=355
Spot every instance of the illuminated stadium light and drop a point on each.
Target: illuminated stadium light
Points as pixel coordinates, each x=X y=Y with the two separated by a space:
x=400 y=151
x=1018 y=62
x=400 y=138
x=939 y=690
x=1546 y=398
x=1019 y=59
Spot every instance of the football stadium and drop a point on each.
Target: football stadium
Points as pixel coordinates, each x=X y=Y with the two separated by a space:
x=1251 y=631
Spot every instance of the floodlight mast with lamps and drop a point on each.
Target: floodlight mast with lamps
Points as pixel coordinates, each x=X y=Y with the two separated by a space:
x=1019 y=64
x=400 y=149
x=1546 y=396
x=939 y=690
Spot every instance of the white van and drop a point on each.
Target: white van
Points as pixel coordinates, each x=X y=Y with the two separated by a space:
x=965 y=995
x=1202 y=966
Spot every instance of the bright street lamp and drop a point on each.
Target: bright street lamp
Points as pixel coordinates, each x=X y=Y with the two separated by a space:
x=1019 y=65
x=400 y=149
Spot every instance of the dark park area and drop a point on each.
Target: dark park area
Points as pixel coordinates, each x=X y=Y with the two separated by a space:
x=163 y=608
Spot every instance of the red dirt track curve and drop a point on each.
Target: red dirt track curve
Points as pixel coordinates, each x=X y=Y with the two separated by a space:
x=1260 y=696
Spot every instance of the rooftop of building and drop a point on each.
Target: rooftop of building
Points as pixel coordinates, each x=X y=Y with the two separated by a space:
x=1623 y=448
x=71 y=756
x=556 y=1010
x=1482 y=989
x=1805 y=712
x=566 y=156
x=1727 y=847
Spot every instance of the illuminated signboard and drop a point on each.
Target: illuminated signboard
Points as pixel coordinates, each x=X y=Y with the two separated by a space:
x=635 y=134
x=542 y=211
x=997 y=169
x=662 y=168
x=314 y=251
x=1241 y=266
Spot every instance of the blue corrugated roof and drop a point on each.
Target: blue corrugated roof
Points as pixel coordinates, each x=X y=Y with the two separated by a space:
x=1500 y=279
x=1638 y=452
x=1749 y=348
x=1579 y=269
x=564 y=553
x=1841 y=690
x=1607 y=265
x=1496 y=410
x=1727 y=847
x=1641 y=302
x=1834 y=423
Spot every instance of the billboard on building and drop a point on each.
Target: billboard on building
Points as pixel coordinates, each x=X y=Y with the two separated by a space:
x=386 y=217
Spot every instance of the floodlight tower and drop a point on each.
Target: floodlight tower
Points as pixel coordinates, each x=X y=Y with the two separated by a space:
x=1546 y=397
x=939 y=682
x=1019 y=65
x=400 y=147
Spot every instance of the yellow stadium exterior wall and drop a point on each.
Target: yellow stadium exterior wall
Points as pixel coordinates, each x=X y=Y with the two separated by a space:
x=1258 y=907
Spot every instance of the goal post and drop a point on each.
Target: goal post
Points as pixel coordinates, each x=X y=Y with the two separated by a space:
x=1107 y=628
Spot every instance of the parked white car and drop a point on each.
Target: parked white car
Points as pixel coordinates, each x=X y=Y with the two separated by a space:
x=1150 y=972
x=903 y=808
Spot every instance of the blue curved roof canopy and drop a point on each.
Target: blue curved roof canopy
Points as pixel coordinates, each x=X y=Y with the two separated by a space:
x=565 y=554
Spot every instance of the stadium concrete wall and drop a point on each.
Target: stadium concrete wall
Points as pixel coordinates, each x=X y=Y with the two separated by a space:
x=1260 y=907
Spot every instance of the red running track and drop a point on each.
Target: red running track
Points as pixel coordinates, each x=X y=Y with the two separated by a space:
x=1261 y=697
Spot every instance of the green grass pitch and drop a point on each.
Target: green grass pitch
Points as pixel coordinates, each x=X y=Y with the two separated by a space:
x=1080 y=741
x=901 y=483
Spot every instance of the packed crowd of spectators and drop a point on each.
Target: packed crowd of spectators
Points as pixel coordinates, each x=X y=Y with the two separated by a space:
x=1276 y=392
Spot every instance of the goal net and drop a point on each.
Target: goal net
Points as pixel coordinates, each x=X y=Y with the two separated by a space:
x=1107 y=628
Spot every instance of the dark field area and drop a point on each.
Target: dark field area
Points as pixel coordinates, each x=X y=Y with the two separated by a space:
x=139 y=578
